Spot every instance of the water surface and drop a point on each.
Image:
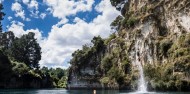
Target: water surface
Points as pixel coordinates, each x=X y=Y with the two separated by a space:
x=64 y=91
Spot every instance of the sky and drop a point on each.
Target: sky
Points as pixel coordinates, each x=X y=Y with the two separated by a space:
x=60 y=26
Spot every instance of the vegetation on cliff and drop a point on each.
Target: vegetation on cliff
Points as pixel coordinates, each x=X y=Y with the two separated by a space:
x=164 y=54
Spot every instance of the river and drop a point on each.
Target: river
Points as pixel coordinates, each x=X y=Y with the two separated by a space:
x=64 y=91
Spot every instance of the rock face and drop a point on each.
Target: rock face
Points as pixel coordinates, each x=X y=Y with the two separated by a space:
x=157 y=31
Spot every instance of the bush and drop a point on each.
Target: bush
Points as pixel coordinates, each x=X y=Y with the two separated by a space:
x=114 y=72
x=105 y=80
x=106 y=63
x=20 y=68
x=131 y=21
x=112 y=36
x=116 y=23
x=181 y=52
x=165 y=45
x=62 y=82
x=126 y=65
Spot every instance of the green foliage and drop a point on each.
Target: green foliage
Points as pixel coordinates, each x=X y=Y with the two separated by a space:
x=19 y=62
x=144 y=8
x=117 y=3
x=27 y=50
x=6 y=40
x=107 y=63
x=116 y=23
x=105 y=80
x=184 y=40
x=111 y=37
x=62 y=82
x=83 y=57
x=164 y=77
x=164 y=46
x=126 y=65
x=116 y=74
x=1 y=16
x=20 y=68
x=181 y=52
x=98 y=43
x=182 y=64
x=57 y=73
x=45 y=71
x=129 y=22
x=173 y=74
x=120 y=41
x=5 y=67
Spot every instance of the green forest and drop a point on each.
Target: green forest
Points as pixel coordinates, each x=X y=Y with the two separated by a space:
x=19 y=63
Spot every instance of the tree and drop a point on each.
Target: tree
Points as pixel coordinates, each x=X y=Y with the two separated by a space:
x=98 y=43
x=45 y=71
x=60 y=73
x=117 y=3
x=1 y=16
x=6 y=40
x=5 y=67
x=116 y=23
x=27 y=50
x=57 y=73
x=20 y=68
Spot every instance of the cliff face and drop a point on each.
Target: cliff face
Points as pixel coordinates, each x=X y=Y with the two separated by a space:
x=157 y=21
x=154 y=32
x=159 y=36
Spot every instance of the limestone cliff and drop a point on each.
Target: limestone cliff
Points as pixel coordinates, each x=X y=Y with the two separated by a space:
x=154 y=32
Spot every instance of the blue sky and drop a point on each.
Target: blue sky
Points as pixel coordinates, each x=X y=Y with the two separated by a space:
x=61 y=26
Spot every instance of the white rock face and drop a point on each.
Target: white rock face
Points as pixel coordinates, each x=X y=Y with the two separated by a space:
x=88 y=70
x=146 y=29
x=185 y=22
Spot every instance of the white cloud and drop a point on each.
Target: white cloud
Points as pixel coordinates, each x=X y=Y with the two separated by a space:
x=18 y=9
x=28 y=19
x=63 y=8
x=32 y=6
x=18 y=29
x=1 y=1
x=10 y=18
x=42 y=15
x=65 y=38
x=34 y=13
x=25 y=1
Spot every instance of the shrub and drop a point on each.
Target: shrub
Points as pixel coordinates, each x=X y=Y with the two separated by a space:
x=112 y=36
x=20 y=68
x=131 y=21
x=107 y=63
x=62 y=82
x=165 y=45
x=105 y=80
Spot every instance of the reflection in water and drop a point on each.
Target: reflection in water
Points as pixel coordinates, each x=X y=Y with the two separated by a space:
x=91 y=92
x=63 y=91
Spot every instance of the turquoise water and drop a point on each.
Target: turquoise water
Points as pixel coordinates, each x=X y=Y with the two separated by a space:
x=63 y=91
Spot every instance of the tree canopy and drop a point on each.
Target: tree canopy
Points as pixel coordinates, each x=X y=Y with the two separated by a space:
x=1 y=16
x=27 y=50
